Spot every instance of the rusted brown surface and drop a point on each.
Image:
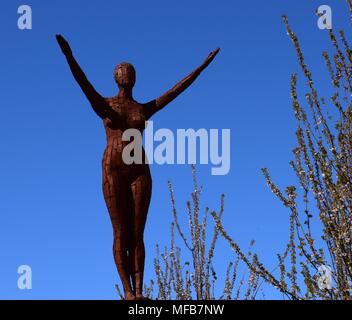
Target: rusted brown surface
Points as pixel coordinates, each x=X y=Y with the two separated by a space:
x=127 y=188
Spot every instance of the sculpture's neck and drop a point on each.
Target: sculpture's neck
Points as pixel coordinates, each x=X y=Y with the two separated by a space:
x=125 y=93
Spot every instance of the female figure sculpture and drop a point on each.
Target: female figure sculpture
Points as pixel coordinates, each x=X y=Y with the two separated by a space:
x=126 y=187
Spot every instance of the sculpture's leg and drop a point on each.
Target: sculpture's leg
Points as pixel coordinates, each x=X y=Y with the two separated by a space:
x=141 y=191
x=115 y=191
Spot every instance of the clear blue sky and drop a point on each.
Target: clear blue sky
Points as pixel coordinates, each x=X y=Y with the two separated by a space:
x=52 y=213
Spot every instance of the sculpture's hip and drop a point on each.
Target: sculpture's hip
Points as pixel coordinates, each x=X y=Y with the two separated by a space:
x=114 y=162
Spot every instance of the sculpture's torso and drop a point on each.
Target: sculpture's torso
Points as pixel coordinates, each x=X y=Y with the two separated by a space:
x=129 y=114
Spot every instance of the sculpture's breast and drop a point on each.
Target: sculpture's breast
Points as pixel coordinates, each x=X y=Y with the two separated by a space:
x=128 y=114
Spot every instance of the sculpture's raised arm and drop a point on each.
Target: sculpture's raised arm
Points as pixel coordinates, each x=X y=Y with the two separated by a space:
x=98 y=103
x=157 y=104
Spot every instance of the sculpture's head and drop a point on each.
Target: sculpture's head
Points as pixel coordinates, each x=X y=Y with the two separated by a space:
x=125 y=75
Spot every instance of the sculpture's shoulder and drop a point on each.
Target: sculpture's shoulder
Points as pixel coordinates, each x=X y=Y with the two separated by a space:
x=109 y=100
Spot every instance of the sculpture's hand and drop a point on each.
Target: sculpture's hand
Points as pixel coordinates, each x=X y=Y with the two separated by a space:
x=211 y=57
x=65 y=47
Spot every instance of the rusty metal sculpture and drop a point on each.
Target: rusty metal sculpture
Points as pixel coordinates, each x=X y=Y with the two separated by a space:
x=126 y=187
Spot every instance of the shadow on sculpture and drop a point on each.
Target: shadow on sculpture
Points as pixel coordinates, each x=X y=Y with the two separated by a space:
x=126 y=187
